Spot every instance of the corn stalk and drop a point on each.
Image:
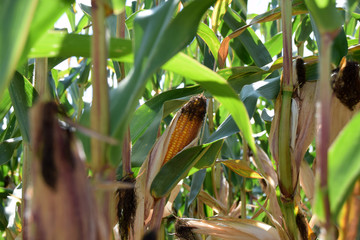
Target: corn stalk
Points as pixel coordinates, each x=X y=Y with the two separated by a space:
x=329 y=22
x=286 y=160
x=100 y=115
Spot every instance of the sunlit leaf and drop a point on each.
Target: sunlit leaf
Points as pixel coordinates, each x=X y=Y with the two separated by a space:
x=241 y=168
x=210 y=38
x=344 y=167
x=164 y=38
x=62 y=44
x=327 y=17
x=16 y=16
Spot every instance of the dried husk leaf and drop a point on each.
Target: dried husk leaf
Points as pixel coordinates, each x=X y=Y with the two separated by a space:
x=338 y=123
x=61 y=199
x=267 y=166
x=306 y=129
x=307 y=180
x=273 y=203
x=230 y=228
x=224 y=190
x=168 y=207
x=274 y=130
x=273 y=219
x=271 y=181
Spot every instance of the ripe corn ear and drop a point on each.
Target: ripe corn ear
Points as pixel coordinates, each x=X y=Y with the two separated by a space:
x=182 y=132
x=187 y=126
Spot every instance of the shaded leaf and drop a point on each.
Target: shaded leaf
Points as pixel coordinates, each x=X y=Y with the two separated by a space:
x=23 y=95
x=196 y=185
x=7 y=149
x=176 y=169
x=5 y=104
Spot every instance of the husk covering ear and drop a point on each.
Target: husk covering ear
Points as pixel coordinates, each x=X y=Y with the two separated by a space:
x=62 y=205
x=154 y=162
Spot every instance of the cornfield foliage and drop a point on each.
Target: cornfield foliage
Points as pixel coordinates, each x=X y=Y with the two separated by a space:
x=276 y=156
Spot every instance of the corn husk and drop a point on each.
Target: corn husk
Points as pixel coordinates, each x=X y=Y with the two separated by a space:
x=62 y=204
x=307 y=180
x=148 y=171
x=344 y=105
x=229 y=228
x=305 y=131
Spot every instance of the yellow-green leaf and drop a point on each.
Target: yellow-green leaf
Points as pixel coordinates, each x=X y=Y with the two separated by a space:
x=241 y=168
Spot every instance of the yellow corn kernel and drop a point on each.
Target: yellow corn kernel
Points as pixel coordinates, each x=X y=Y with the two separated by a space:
x=187 y=126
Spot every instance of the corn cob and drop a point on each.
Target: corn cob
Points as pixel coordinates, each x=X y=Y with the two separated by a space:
x=187 y=126
x=181 y=133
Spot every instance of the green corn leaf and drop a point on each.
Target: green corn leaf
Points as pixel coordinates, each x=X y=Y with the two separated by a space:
x=23 y=95
x=15 y=19
x=343 y=169
x=325 y=14
x=210 y=38
x=178 y=167
x=158 y=37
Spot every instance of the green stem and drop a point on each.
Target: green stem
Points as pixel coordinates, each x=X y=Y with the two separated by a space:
x=41 y=82
x=100 y=103
x=243 y=185
x=42 y=87
x=301 y=50
x=100 y=118
x=285 y=167
x=286 y=161
x=323 y=110
x=287 y=209
x=285 y=164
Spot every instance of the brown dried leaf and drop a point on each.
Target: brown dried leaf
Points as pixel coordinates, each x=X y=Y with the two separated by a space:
x=307 y=179
x=267 y=166
x=306 y=130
